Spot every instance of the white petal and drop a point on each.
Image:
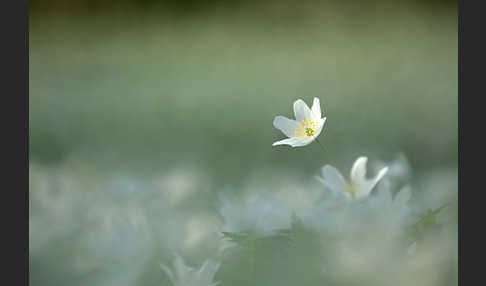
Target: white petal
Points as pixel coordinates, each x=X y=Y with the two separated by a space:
x=316 y=109
x=180 y=267
x=332 y=178
x=288 y=141
x=366 y=186
x=287 y=126
x=294 y=141
x=380 y=175
x=358 y=171
x=301 y=110
x=320 y=126
x=364 y=189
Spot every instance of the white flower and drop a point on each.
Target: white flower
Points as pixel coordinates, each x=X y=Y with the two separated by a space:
x=358 y=187
x=399 y=171
x=394 y=208
x=305 y=129
x=184 y=275
x=399 y=201
x=253 y=212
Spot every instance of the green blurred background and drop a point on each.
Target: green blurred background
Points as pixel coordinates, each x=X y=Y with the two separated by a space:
x=143 y=88
x=146 y=88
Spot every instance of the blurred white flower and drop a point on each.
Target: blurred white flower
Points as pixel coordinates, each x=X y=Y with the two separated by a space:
x=398 y=168
x=397 y=203
x=253 y=213
x=183 y=275
x=358 y=187
x=177 y=184
x=391 y=211
x=399 y=171
x=305 y=129
x=199 y=230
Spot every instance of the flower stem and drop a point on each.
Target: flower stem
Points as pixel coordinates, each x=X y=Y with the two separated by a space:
x=324 y=149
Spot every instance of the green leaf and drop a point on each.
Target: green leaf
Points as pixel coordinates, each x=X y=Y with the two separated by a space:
x=429 y=219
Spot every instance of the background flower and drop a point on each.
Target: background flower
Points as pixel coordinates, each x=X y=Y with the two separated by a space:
x=253 y=212
x=183 y=275
x=358 y=186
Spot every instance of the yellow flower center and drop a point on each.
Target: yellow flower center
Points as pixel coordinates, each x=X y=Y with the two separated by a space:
x=306 y=128
x=351 y=188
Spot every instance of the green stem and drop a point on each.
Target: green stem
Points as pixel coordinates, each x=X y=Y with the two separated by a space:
x=324 y=149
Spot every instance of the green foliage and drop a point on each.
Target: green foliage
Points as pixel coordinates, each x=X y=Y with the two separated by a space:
x=424 y=226
x=429 y=219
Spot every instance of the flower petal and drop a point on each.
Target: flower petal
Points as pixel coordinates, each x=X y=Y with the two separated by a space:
x=320 y=125
x=287 y=126
x=294 y=141
x=358 y=171
x=363 y=189
x=181 y=269
x=379 y=176
x=332 y=178
x=316 y=109
x=366 y=186
x=301 y=110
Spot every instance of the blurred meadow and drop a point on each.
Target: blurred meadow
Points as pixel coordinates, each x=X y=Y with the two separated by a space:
x=151 y=130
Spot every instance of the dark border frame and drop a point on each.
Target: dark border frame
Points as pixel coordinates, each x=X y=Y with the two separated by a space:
x=15 y=140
